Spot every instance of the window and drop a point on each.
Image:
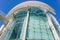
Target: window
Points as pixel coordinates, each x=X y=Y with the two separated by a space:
x=38 y=27
x=19 y=20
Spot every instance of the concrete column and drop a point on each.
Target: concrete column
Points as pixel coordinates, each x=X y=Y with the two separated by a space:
x=52 y=28
x=3 y=19
x=23 y=35
x=56 y=22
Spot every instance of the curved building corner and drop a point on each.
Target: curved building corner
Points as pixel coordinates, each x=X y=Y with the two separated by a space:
x=30 y=20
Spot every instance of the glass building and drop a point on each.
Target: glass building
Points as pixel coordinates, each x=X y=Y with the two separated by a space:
x=31 y=20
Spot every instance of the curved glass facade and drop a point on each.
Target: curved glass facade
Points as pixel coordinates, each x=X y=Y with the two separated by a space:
x=38 y=27
x=19 y=20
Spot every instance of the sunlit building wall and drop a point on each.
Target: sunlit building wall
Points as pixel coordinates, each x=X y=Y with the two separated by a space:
x=31 y=20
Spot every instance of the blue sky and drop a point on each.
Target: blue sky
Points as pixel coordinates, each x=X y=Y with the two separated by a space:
x=7 y=5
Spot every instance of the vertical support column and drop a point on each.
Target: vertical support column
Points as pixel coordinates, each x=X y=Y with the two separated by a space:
x=55 y=22
x=52 y=28
x=5 y=30
x=25 y=27
x=3 y=19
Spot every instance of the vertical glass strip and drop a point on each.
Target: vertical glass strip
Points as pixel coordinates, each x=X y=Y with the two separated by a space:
x=23 y=34
x=17 y=26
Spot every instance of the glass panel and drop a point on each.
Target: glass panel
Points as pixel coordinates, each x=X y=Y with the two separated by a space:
x=38 y=27
x=9 y=30
x=18 y=20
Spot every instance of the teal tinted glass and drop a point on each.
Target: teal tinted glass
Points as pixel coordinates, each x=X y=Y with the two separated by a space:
x=38 y=27
x=19 y=19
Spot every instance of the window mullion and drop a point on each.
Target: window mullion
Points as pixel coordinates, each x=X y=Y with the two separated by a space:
x=25 y=26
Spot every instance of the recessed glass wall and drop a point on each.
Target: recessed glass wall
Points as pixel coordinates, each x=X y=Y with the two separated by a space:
x=19 y=20
x=38 y=27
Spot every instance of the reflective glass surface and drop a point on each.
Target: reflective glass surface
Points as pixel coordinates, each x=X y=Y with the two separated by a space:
x=38 y=27
x=19 y=20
